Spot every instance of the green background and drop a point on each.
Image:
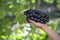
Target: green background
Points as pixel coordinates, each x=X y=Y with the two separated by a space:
x=13 y=21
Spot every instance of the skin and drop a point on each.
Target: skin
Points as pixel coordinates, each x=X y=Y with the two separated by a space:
x=44 y=27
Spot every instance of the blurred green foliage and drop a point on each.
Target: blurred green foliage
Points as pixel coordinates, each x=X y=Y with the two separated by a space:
x=13 y=22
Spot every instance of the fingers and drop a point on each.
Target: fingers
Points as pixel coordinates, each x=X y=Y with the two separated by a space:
x=32 y=22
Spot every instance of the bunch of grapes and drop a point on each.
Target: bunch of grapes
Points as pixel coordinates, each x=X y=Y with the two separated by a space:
x=37 y=16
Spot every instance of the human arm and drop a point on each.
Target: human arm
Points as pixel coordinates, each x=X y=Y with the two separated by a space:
x=44 y=27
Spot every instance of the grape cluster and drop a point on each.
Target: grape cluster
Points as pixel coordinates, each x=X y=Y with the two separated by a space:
x=37 y=16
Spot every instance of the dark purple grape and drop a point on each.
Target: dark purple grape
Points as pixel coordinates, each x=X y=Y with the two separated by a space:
x=42 y=19
x=27 y=19
x=30 y=14
x=32 y=18
x=33 y=14
x=47 y=17
x=38 y=20
x=39 y=16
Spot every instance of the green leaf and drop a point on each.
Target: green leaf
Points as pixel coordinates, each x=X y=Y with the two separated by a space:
x=21 y=18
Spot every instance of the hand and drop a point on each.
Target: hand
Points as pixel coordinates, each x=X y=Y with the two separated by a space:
x=37 y=24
